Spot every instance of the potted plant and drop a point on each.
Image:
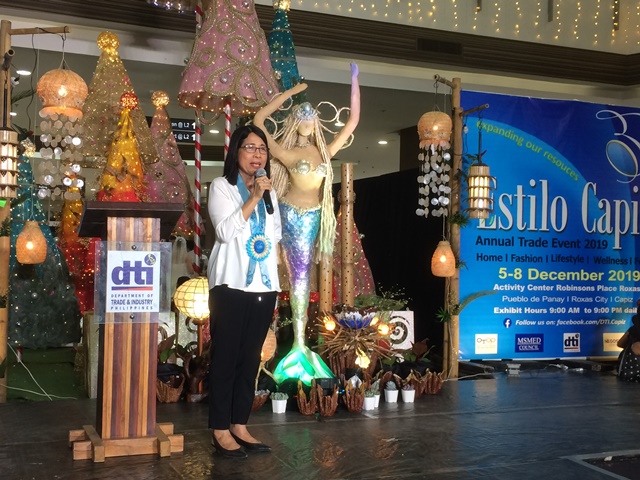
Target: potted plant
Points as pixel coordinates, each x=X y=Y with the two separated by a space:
x=279 y=402
x=391 y=392
x=369 y=399
x=376 y=395
x=408 y=393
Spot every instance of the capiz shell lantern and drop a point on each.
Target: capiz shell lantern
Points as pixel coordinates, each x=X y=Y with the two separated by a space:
x=62 y=92
x=434 y=128
x=192 y=298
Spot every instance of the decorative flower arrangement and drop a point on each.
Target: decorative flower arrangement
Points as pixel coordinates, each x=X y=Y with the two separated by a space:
x=351 y=317
x=354 y=338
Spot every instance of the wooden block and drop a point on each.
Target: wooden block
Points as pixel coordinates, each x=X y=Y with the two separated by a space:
x=76 y=436
x=124 y=447
x=177 y=443
x=163 y=445
x=96 y=443
x=82 y=450
x=166 y=427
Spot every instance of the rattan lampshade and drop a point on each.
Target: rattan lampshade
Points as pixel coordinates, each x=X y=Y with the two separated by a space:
x=443 y=262
x=434 y=128
x=192 y=298
x=62 y=92
x=31 y=246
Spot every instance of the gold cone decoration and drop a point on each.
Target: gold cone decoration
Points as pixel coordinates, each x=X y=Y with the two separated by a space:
x=122 y=179
x=62 y=92
x=31 y=246
x=101 y=113
x=443 y=262
x=192 y=298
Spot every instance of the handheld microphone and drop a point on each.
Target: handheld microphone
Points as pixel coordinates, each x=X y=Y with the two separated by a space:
x=266 y=196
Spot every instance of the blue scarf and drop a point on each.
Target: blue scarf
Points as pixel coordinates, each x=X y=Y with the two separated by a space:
x=258 y=246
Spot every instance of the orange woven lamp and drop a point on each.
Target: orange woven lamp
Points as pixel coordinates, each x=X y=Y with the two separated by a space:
x=443 y=262
x=31 y=246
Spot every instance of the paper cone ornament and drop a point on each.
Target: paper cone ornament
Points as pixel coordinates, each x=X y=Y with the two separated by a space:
x=229 y=62
x=122 y=177
x=102 y=108
x=167 y=179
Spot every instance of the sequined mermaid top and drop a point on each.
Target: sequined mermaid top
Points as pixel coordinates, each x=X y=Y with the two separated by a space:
x=303 y=167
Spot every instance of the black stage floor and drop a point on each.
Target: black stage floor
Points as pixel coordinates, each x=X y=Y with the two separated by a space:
x=543 y=424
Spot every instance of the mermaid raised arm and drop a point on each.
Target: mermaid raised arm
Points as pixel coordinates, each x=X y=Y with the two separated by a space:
x=354 y=115
x=258 y=120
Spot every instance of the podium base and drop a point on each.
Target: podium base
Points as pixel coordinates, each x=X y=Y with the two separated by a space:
x=87 y=444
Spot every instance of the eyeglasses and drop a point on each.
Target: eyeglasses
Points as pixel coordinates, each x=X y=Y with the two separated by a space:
x=251 y=148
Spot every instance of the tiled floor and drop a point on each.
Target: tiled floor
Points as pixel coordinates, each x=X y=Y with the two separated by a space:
x=539 y=425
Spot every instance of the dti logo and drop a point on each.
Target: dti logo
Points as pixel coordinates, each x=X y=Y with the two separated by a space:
x=621 y=151
x=141 y=275
x=571 y=342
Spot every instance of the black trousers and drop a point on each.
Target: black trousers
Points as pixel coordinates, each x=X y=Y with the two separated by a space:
x=239 y=322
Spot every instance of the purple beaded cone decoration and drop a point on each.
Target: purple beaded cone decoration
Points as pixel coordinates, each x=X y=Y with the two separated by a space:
x=229 y=62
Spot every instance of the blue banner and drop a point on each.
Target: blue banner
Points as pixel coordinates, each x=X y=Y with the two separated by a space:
x=554 y=272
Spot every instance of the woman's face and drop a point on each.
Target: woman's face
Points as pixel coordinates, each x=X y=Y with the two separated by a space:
x=248 y=162
x=305 y=128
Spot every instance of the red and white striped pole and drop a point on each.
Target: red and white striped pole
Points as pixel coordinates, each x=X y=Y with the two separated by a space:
x=227 y=127
x=197 y=250
x=197 y=217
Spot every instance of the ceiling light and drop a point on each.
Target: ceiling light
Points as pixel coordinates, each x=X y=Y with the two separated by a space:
x=382 y=142
x=13 y=114
x=214 y=131
x=26 y=73
x=339 y=124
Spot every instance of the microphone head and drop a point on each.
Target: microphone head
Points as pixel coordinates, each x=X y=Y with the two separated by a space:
x=261 y=172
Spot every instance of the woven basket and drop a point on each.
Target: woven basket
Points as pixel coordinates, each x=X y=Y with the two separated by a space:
x=171 y=391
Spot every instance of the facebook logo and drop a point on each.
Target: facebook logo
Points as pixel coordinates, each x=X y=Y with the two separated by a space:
x=507 y=322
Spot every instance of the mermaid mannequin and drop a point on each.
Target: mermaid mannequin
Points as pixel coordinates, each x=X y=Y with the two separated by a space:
x=308 y=219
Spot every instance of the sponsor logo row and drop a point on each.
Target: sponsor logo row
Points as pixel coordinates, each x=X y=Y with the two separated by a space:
x=487 y=343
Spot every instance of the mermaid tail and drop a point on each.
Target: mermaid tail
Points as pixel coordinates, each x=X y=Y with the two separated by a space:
x=299 y=231
x=303 y=364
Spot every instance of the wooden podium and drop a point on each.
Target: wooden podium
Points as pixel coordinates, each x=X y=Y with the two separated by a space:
x=127 y=366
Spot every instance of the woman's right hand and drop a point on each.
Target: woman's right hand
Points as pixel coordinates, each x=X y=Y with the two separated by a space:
x=261 y=185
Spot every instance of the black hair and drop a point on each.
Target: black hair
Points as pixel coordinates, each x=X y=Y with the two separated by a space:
x=231 y=168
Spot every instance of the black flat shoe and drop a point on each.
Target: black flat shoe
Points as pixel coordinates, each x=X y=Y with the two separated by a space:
x=237 y=453
x=252 y=447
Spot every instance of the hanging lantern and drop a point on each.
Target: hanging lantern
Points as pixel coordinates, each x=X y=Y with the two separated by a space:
x=434 y=128
x=269 y=346
x=443 y=262
x=192 y=298
x=480 y=191
x=434 y=132
x=62 y=92
x=8 y=163
x=31 y=246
